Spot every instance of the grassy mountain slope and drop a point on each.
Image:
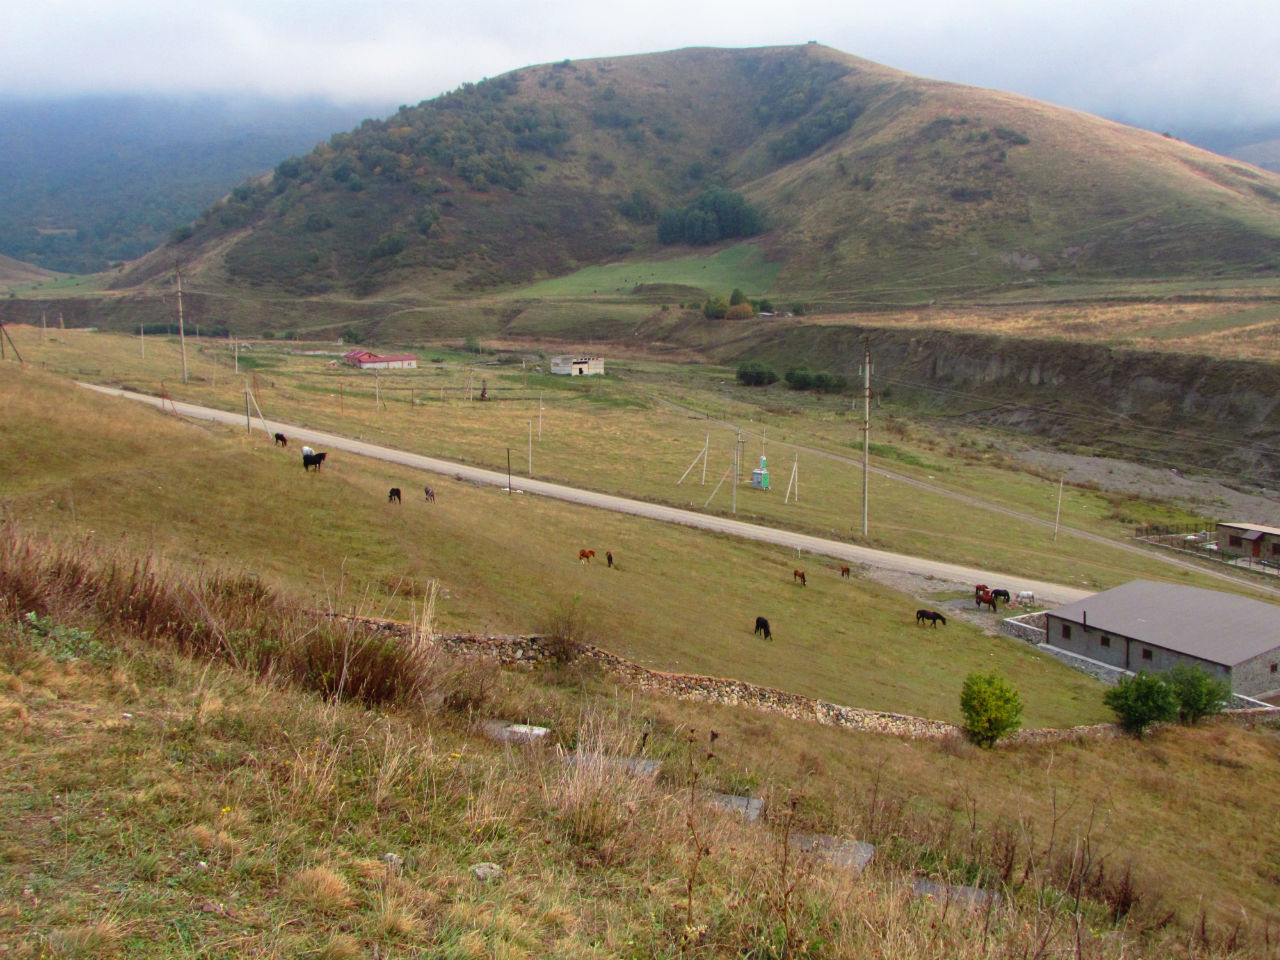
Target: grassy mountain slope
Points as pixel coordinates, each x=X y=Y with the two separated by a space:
x=874 y=184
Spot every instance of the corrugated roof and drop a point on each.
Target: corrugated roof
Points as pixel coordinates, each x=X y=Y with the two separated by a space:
x=1217 y=627
x=1274 y=531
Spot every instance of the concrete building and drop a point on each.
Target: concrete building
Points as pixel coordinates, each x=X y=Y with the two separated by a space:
x=1156 y=626
x=577 y=366
x=367 y=360
x=1249 y=540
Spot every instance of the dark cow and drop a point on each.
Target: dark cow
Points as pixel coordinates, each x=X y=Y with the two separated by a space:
x=310 y=460
x=798 y=575
x=394 y=495
x=431 y=494
x=281 y=440
x=1001 y=594
x=932 y=616
x=762 y=626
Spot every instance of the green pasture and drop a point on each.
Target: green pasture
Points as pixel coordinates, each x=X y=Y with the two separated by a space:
x=212 y=497
x=636 y=431
x=741 y=266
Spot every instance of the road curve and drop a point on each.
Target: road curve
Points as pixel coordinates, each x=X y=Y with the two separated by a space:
x=1050 y=593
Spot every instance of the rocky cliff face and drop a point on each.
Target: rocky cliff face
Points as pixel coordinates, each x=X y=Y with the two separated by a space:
x=1194 y=411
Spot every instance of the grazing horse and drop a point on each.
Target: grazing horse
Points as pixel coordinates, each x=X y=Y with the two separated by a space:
x=394 y=495
x=310 y=460
x=1026 y=598
x=281 y=440
x=1001 y=594
x=431 y=494
x=609 y=557
x=932 y=616
x=762 y=626
x=986 y=598
x=585 y=556
x=980 y=588
x=798 y=575
x=844 y=571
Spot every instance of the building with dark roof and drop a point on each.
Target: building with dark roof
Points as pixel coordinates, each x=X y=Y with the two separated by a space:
x=1253 y=540
x=1156 y=626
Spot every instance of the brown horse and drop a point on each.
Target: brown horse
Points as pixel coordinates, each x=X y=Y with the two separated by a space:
x=986 y=598
x=585 y=556
x=798 y=575
x=844 y=571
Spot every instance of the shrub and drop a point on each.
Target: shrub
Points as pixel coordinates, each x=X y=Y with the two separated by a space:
x=1141 y=701
x=1199 y=693
x=715 y=308
x=740 y=311
x=991 y=708
x=753 y=373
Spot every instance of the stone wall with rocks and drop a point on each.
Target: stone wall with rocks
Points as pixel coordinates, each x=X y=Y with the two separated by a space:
x=1029 y=627
x=533 y=651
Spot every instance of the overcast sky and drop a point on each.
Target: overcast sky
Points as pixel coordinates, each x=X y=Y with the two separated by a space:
x=1165 y=65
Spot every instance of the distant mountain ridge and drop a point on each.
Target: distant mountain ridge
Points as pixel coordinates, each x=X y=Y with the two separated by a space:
x=92 y=180
x=869 y=183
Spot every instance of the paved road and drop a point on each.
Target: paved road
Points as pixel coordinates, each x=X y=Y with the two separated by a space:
x=1051 y=593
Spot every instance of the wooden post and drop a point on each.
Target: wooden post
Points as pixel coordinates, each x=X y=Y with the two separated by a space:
x=182 y=339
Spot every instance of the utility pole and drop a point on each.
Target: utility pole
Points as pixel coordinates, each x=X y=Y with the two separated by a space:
x=42 y=326
x=866 y=429
x=142 y=341
x=508 y=471
x=248 y=424
x=539 y=416
x=530 y=448
x=182 y=338
x=1058 y=518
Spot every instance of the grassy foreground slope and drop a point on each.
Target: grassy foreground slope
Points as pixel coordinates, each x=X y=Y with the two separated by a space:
x=183 y=775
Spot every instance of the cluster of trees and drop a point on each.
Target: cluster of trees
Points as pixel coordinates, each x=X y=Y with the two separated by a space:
x=753 y=373
x=992 y=708
x=802 y=378
x=717 y=214
x=737 y=307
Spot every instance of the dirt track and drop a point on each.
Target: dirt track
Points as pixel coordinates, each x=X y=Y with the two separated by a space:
x=885 y=566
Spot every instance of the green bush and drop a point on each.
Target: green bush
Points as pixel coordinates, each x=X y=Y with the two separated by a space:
x=990 y=706
x=1141 y=701
x=1199 y=693
x=753 y=373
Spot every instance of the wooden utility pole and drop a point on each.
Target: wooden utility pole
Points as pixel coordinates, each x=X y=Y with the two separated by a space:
x=182 y=337
x=1058 y=518
x=142 y=341
x=530 y=448
x=42 y=326
x=866 y=430
x=248 y=423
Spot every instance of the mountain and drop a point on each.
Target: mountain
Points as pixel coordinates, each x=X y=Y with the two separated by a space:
x=861 y=183
x=92 y=180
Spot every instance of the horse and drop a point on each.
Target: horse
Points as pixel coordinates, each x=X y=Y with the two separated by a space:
x=844 y=571
x=281 y=440
x=430 y=494
x=980 y=588
x=585 y=556
x=307 y=451
x=932 y=616
x=1001 y=594
x=798 y=575
x=987 y=598
x=762 y=626
x=310 y=460
x=609 y=558
x=1026 y=598
x=394 y=495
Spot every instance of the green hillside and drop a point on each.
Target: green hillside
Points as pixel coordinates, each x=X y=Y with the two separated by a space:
x=860 y=184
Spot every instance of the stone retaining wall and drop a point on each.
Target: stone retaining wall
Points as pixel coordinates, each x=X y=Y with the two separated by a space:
x=1030 y=627
x=518 y=651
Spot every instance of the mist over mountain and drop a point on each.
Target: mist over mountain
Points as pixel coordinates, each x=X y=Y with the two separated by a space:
x=89 y=181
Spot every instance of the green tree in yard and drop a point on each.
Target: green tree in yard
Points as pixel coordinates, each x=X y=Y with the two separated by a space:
x=1141 y=701
x=1199 y=693
x=990 y=706
x=737 y=297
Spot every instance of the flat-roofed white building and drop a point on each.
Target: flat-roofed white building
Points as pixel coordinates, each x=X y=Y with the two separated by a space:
x=577 y=366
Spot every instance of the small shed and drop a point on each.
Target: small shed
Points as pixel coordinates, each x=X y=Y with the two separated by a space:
x=1249 y=540
x=577 y=366
x=1145 y=625
x=367 y=360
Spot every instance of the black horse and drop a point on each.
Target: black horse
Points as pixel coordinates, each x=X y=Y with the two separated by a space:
x=932 y=616
x=394 y=495
x=1001 y=594
x=281 y=440
x=431 y=494
x=310 y=460
x=762 y=626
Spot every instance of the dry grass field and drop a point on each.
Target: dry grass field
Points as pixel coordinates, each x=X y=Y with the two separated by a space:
x=1237 y=328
